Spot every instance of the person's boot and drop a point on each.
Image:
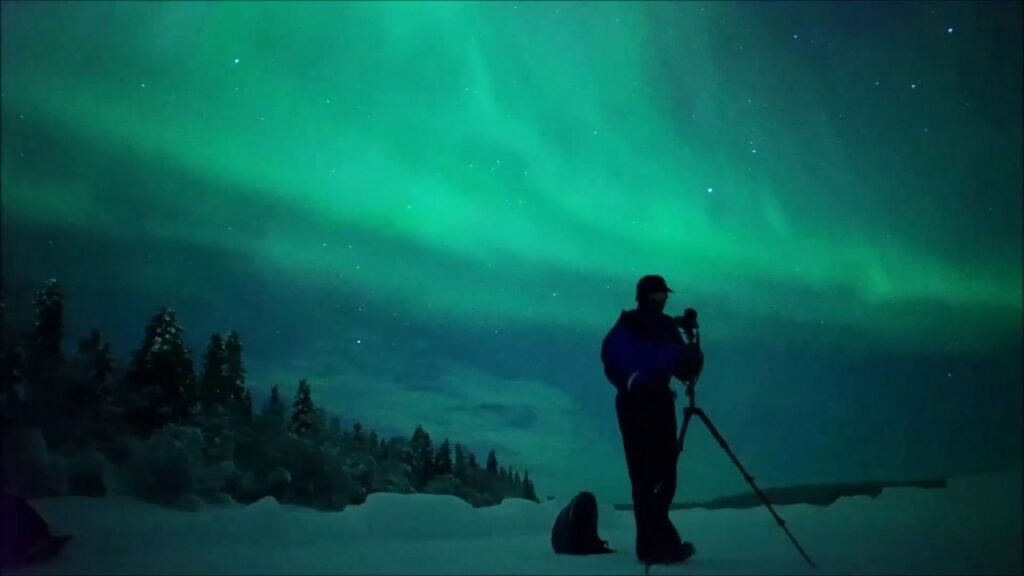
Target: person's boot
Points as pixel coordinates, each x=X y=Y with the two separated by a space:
x=673 y=555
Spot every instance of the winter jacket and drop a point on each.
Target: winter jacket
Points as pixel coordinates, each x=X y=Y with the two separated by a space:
x=648 y=343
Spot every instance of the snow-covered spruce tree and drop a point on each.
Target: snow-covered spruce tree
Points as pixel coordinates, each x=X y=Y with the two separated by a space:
x=471 y=463
x=517 y=484
x=161 y=375
x=213 y=383
x=357 y=432
x=303 y=422
x=443 y=460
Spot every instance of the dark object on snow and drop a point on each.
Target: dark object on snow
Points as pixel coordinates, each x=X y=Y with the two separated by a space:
x=575 y=530
x=25 y=537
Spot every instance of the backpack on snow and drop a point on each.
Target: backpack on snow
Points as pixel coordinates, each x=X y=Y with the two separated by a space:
x=575 y=530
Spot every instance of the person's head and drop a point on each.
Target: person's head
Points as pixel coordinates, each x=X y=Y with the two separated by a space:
x=652 y=293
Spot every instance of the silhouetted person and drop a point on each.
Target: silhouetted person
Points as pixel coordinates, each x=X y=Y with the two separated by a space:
x=641 y=354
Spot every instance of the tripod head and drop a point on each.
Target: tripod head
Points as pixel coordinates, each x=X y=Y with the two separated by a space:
x=691 y=330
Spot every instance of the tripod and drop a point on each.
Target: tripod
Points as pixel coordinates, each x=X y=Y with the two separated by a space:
x=688 y=412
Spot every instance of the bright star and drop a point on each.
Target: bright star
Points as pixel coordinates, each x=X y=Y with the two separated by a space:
x=949 y=30
x=236 y=60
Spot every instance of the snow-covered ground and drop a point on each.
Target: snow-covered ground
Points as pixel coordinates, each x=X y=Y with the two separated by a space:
x=973 y=526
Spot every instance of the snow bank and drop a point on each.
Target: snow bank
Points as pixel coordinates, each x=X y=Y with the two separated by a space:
x=972 y=526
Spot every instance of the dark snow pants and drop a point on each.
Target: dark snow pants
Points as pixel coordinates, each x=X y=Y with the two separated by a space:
x=648 y=426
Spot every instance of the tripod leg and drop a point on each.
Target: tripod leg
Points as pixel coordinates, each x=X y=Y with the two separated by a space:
x=749 y=479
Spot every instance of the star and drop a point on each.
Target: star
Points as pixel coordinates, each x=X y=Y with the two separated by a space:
x=710 y=190
x=949 y=30
x=236 y=60
x=913 y=85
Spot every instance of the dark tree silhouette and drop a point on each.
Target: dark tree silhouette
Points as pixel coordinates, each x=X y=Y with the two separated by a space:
x=460 y=466
x=443 y=460
x=45 y=359
x=303 y=421
x=213 y=384
x=528 y=490
x=100 y=362
x=90 y=391
x=246 y=407
x=234 y=370
x=422 y=457
x=275 y=408
x=492 y=464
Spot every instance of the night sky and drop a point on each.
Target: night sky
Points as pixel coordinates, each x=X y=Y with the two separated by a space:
x=435 y=212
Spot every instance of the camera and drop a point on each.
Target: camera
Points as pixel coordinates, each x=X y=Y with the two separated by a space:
x=688 y=323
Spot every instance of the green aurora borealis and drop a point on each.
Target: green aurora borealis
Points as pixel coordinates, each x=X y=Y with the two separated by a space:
x=835 y=187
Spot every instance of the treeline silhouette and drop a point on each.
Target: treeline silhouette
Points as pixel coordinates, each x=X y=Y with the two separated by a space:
x=84 y=425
